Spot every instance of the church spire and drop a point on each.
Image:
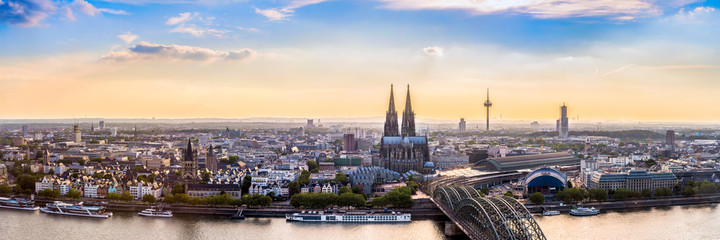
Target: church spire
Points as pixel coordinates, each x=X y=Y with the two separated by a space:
x=408 y=121
x=391 y=119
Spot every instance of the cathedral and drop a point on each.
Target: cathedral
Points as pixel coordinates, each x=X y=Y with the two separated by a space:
x=189 y=164
x=400 y=149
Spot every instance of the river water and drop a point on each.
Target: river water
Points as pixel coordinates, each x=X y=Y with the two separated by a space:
x=679 y=222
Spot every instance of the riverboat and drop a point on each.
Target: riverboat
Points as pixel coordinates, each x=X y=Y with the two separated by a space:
x=79 y=210
x=349 y=217
x=582 y=211
x=18 y=203
x=152 y=212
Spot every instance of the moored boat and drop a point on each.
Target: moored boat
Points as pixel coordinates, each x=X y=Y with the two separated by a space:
x=550 y=213
x=79 y=210
x=582 y=211
x=152 y=212
x=18 y=203
x=352 y=217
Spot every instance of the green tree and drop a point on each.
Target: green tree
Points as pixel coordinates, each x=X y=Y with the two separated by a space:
x=485 y=190
x=73 y=194
x=312 y=165
x=537 y=198
x=178 y=188
x=246 y=183
x=509 y=194
x=598 y=194
x=622 y=194
x=569 y=184
x=413 y=186
x=113 y=196
x=149 y=199
x=341 y=177
x=5 y=189
x=126 y=196
x=294 y=188
x=646 y=193
x=344 y=189
x=708 y=188
x=663 y=192
x=49 y=193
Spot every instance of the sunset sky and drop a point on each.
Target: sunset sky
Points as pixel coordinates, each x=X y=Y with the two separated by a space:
x=644 y=60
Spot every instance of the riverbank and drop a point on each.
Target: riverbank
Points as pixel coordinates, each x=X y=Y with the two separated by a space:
x=630 y=204
x=423 y=210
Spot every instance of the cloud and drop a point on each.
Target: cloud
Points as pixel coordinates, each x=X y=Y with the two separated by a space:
x=699 y=15
x=128 y=37
x=248 y=29
x=26 y=13
x=281 y=14
x=619 y=9
x=181 y=18
x=183 y=25
x=29 y=13
x=623 y=68
x=147 y=51
x=433 y=51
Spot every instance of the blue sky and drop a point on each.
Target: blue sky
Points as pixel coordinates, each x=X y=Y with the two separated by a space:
x=306 y=53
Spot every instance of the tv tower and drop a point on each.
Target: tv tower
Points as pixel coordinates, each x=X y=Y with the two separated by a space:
x=487 y=104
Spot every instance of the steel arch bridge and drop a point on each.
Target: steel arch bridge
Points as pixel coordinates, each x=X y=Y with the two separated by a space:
x=487 y=217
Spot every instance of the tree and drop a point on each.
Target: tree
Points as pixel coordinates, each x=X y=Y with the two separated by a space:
x=663 y=192
x=598 y=194
x=708 y=188
x=178 y=188
x=646 y=193
x=351 y=200
x=312 y=165
x=125 y=196
x=622 y=194
x=52 y=171
x=413 y=186
x=74 y=194
x=344 y=189
x=149 y=199
x=5 y=189
x=246 y=183
x=341 y=177
x=49 y=193
x=113 y=196
x=399 y=197
x=485 y=190
x=537 y=198
x=569 y=184
x=294 y=188
x=509 y=194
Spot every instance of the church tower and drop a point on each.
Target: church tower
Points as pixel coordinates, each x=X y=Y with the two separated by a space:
x=189 y=163
x=391 y=119
x=408 y=121
x=211 y=160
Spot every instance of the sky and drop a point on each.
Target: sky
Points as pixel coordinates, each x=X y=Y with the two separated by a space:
x=637 y=60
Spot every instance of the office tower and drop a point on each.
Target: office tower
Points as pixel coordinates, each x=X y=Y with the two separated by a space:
x=310 y=123
x=24 y=130
x=78 y=135
x=487 y=104
x=670 y=140
x=349 y=143
x=563 y=122
x=102 y=125
x=407 y=152
x=462 y=125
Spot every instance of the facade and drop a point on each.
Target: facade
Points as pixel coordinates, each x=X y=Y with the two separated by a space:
x=140 y=189
x=102 y=125
x=211 y=160
x=670 y=140
x=635 y=180
x=206 y=190
x=402 y=153
x=563 y=122
x=349 y=144
x=78 y=135
x=547 y=181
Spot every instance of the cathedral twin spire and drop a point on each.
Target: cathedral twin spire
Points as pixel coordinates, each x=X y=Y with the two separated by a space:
x=391 y=119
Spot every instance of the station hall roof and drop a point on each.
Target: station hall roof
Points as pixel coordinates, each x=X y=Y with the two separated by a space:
x=527 y=161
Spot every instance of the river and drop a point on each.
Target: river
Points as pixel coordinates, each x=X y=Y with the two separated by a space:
x=678 y=222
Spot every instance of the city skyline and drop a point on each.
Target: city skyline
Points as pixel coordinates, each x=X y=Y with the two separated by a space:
x=636 y=61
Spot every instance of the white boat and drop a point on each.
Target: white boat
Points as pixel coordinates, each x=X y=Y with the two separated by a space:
x=79 y=210
x=151 y=212
x=550 y=213
x=351 y=217
x=581 y=211
x=19 y=204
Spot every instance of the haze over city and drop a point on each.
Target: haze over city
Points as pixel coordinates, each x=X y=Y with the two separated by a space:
x=607 y=60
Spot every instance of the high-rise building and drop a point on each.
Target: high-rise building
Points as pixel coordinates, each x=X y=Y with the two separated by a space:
x=462 y=126
x=349 y=143
x=102 y=125
x=310 y=123
x=211 y=159
x=24 y=130
x=487 y=105
x=189 y=163
x=670 y=140
x=563 y=122
x=78 y=135
x=406 y=152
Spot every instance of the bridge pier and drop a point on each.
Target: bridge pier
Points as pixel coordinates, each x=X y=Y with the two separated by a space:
x=452 y=230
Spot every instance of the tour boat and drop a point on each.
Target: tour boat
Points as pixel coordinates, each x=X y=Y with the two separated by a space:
x=550 y=213
x=62 y=208
x=151 y=212
x=581 y=211
x=17 y=203
x=350 y=217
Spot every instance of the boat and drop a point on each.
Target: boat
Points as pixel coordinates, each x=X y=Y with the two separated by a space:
x=152 y=212
x=238 y=215
x=582 y=211
x=18 y=203
x=350 y=217
x=550 y=213
x=62 y=208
